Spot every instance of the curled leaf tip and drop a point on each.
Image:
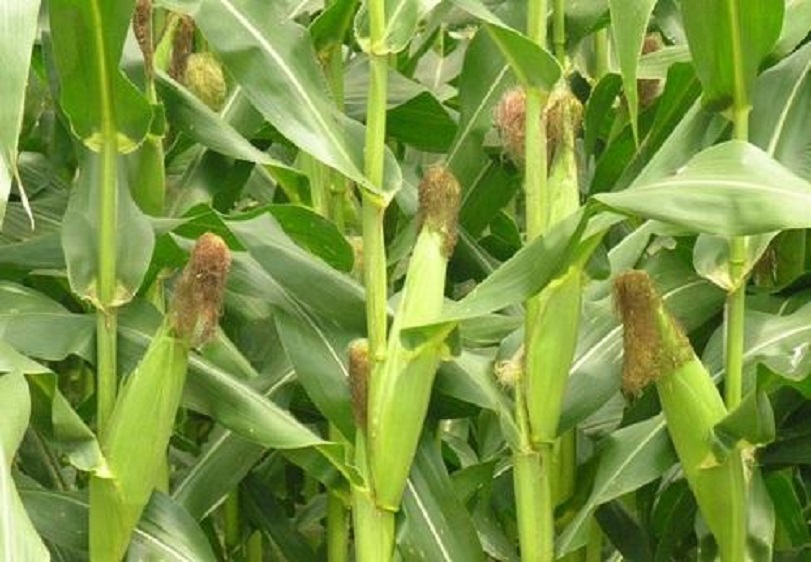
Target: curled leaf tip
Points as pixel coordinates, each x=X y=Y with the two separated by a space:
x=653 y=345
x=359 y=379
x=440 y=196
x=199 y=291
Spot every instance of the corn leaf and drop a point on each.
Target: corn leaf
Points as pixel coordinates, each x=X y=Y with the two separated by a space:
x=18 y=539
x=290 y=78
x=732 y=188
x=630 y=21
x=88 y=38
x=728 y=40
x=18 y=29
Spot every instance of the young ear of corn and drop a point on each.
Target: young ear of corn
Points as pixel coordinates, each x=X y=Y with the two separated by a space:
x=553 y=336
x=656 y=351
x=400 y=386
x=141 y=425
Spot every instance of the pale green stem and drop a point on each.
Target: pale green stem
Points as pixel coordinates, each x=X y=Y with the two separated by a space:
x=559 y=30
x=533 y=497
x=532 y=468
x=601 y=53
x=231 y=525
x=255 y=548
x=106 y=320
x=736 y=304
x=337 y=518
x=374 y=527
x=594 y=548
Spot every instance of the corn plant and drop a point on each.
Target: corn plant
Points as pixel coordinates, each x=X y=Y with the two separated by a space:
x=421 y=280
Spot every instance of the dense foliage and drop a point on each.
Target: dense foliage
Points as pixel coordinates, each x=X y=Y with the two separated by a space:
x=408 y=222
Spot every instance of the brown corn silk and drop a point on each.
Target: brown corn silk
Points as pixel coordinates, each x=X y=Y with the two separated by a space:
x=644 y=323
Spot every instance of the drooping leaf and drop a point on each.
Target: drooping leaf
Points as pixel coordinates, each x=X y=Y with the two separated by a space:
x=631 y=457
x=18 y=22
x=781 y=113
x=166 y=531
x=436 y=525
x=274 y=62
x=18 y=539
x=732 y=188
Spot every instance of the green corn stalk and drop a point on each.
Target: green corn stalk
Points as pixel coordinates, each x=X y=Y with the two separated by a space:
x=656 y=351
x=400 y=386
x=141 y=424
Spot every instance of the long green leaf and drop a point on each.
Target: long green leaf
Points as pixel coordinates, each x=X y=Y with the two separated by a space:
x=781 y=113
x=165 y=531
x=88 y=38
x=18 y=28
x=18 y=539
x=274 y=62
x=632 y=457
x=630 y=21
x=436 y=524
x=728 y=40
x=730 y=189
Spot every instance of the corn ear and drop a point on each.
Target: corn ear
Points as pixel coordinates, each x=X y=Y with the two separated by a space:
x=141 y=424
x=135 y=444
x=656 y=351
x=400 y=386
x=553 y=341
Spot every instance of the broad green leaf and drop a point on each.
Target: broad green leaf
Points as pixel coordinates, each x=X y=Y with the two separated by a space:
x=781 y=113
x=779 y=342
x=274 y=62
x=18 y=539
x=436 y=524
x=266 y=512
x=81 y=236
x=165 y=532
x=88 y=38
x=629 y=19
x=750 y=423
x=730 y=189
x=196 y=119
x=18 y=29
x=485 y=77
x=787 y=506
x=630 y=458
x=728 y=40
x=796 y=22
x=533 y=65
x=655 y=65
x=25 y=315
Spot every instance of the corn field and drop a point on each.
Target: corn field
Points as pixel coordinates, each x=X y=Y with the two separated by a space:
x=405 y=280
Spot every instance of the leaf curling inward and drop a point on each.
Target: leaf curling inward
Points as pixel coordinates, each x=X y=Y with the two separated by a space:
x=653 y=344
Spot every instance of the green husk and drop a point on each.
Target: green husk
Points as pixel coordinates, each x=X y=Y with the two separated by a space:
x=400 y=386
x=141 y=424
x=553 y=342
x=656 y=351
